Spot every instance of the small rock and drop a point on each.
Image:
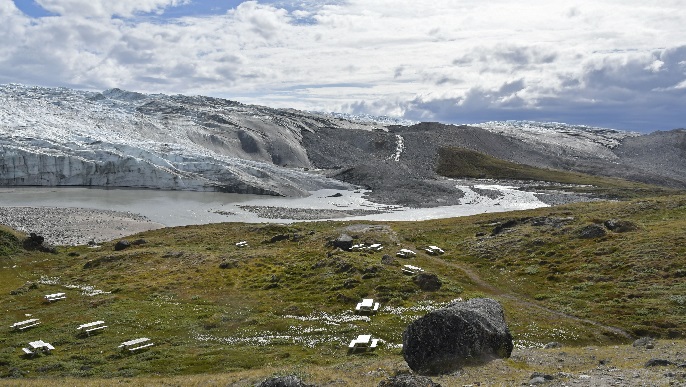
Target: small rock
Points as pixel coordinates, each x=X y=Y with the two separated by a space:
x=427 y=282
x=658 y=363
x=642 y=342
x=284 y=381
x=387 y=260
x=592 y=231
x=408 y=380
x=553 y=344
x=537 y=380
x=618 y=225
x=121 y=245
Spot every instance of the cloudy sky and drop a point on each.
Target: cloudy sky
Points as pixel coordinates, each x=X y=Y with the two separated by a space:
x=609 y=63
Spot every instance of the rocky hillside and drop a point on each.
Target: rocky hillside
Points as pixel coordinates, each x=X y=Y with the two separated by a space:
x=52 y=137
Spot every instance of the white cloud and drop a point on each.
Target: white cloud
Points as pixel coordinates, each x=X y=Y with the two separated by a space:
x=106 y=8
x=441 y=60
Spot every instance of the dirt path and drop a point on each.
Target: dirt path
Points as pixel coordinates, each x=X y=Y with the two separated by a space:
x=487 y=287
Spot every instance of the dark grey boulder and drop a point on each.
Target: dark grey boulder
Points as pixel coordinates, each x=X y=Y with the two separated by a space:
x=428 y=282
x=592 y=231
x=658 y=363
x=284 y=381
x=343 y=242
x=462 y=333
x=408 y=380
x=618 y=225
x=121 y=245
x=387 y=260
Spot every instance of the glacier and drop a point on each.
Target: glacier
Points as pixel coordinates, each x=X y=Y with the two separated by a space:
x=64 y=137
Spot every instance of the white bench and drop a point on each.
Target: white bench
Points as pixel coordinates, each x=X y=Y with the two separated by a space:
x=92 y=327
x=28 y=352
x=21 y=325
x=405 y=253
x=363 y=342
x=55 y=297
x=434 y=250
x=133 y=345
x=40 y=345
x=367 y=305
x=409 y=269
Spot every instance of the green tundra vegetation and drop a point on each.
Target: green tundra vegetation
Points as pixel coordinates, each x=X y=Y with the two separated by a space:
x=597 y=273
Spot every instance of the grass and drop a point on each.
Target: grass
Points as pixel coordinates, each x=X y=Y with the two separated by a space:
x=456 y=162
x=221 y=313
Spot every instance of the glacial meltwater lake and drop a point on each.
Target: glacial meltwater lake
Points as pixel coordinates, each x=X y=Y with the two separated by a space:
x=179 y=208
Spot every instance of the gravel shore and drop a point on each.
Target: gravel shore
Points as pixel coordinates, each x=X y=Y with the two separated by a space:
x=75 y=226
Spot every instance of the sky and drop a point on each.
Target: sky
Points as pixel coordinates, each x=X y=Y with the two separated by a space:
x=610 y=63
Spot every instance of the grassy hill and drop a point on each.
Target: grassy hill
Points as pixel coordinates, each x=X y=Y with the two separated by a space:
x=284 y=303
x=456 y=162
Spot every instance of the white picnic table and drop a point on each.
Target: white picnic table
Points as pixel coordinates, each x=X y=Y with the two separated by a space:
x=36 y=346
x=55 y=297
x=434 y=250
x=21 y=325
x=92 y=326
x=363 y=342
x=405 y=253
x=133 y=345
x=367 y=305
x=409 y=269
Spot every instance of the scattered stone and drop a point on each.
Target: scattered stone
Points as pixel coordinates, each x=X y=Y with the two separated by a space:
x=121 y=245
x=278 y=238
x=504 y=226
x=344 y=241
x=139 y=242
x=336 y=195
x=37 y=242
x=592 y=231
x=231 y=264
x=427 y=282
x=284 y=381
x=387 y=260
x=618 y=225
x=408 y=380
x=658 y=363
x=642 y=342
x=552 y=344
x=537 y=380
x=462 y=333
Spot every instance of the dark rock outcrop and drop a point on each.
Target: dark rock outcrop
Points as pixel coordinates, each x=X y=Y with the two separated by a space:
x=122 y=245
x=408 y=380
x=462 y=333
x=37 y=242
x=618 y=225
x=658 y=363
x=592 y=231
x=343 y=242
x=428 y=282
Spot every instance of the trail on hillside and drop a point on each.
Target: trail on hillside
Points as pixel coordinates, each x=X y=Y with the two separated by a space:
x=483 y=285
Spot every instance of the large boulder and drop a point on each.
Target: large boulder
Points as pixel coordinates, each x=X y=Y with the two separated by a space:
x=428 y=282
x=462 y=333
x=343 y=242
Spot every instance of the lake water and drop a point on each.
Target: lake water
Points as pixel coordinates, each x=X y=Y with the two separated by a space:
x=178 y=208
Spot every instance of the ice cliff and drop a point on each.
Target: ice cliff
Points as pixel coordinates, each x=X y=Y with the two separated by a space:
x=51 y=137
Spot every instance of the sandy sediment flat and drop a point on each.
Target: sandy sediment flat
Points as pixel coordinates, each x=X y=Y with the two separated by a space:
x=75 y=226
